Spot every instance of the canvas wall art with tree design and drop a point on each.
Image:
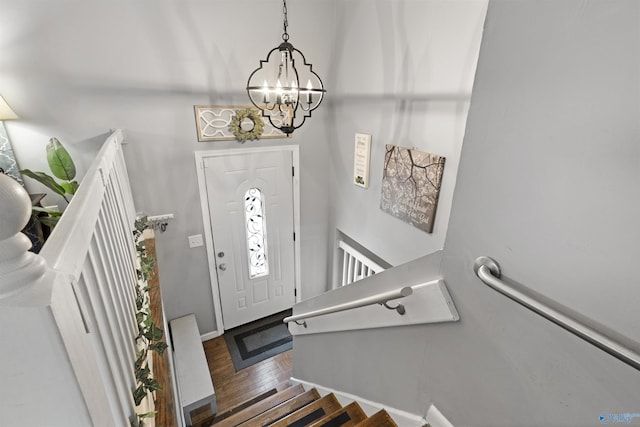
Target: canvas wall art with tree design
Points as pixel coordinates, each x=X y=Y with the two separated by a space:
x=411 y=183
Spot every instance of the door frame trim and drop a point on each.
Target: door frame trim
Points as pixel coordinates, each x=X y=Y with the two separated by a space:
x=200 y=156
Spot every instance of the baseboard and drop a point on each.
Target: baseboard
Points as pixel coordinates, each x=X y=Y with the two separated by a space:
x=210 y=335
x=402 y=418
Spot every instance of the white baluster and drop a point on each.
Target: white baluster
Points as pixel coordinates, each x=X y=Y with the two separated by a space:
x=19 y=268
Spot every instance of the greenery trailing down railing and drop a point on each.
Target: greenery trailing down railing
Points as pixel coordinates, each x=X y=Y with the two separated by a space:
x=150 y=335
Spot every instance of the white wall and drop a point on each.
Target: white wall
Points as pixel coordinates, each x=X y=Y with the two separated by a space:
x=75 y=69
x=403 y=72
x=548 y=186
x=551 y=174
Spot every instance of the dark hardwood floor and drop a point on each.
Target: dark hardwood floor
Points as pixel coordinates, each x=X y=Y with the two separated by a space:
x=234 y=387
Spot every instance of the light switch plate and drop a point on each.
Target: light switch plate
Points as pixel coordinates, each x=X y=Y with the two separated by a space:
x=195 y=241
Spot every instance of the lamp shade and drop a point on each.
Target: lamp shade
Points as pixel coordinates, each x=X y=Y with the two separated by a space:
x=6 y=113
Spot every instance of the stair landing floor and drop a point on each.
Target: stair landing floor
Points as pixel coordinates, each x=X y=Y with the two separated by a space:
x=233 y=388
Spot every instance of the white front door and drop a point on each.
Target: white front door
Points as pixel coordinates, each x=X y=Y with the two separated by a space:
x=250 y=198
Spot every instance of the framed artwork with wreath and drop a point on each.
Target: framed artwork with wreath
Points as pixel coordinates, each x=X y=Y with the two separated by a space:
x=241 y=123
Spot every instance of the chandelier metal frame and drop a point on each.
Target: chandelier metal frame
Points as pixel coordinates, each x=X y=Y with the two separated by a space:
x=281 y=99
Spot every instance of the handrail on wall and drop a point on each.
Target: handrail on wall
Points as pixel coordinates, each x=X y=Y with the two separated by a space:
x=489 y=272
x=382 y=298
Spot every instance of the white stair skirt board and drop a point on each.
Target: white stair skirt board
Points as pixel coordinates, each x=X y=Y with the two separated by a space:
x=429 y=303
x=436 y=419
x=402 y=418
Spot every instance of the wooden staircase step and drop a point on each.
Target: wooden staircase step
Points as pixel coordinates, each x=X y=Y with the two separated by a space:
x=283 y=409
x=284 y=385
x=260 y=407
x=208 y=419
x=310 y=413
x=379 y=419
x=350 y=415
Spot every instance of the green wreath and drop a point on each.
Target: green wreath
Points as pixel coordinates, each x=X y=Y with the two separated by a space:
x=236 y=125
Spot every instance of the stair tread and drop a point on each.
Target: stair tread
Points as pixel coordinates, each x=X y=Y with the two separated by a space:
x=283 y=409
x=379 y=419
x=207 y=419
x=350 y=415
x=311 y=412
x=284 y=385
x=261 y=406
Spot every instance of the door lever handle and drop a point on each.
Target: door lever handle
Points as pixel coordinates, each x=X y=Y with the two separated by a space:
x=223 y=267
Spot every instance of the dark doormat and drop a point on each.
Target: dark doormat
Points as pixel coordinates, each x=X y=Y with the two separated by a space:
x=259 y=340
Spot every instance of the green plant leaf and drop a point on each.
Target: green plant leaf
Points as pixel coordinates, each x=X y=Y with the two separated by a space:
x=51 y=212
x=140 y=317
x=151 y=384
x=143 y=374
x=70 y=187
x=46 y=180
x=139 y=394
x=49 y=221
x=147 y=414
x=141 y=224
x=141 y=357
x=158 y=347
x=154 y=333
x=60 y=161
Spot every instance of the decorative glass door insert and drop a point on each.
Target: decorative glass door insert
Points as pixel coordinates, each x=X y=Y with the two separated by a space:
x=256 y=236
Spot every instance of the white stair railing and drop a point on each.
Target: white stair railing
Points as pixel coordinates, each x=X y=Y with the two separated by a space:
x=355 y=265
x=78 y=292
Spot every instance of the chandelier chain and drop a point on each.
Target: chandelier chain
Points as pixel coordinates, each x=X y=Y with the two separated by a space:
x=285 y=35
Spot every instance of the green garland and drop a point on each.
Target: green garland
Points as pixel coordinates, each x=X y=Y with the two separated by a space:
x=236 y=125
x=149 y=334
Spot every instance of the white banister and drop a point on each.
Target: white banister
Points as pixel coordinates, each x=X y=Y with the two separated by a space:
x=80 y=293
x=18 y=267
x=356 y=265
x=41 y=320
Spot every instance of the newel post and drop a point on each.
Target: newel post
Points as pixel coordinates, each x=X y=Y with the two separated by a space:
x=19 y=268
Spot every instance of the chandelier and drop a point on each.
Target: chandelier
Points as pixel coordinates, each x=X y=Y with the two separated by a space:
x=286 y=95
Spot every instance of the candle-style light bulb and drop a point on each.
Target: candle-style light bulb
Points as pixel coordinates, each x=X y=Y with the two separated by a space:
x=309 y=88
x=279 y=92
x=294 y=91
x=265 y=92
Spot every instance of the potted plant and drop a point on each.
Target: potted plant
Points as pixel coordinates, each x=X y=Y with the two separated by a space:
x=62 y=167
